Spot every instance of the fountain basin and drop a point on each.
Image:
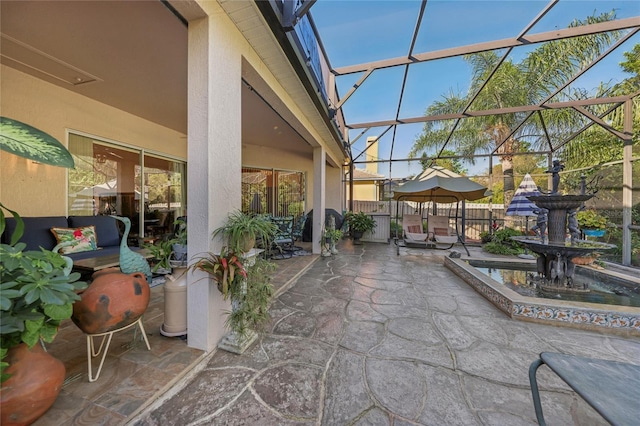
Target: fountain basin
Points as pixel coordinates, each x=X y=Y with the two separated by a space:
x=609 y=319
x=570 y=250
x=559 y=202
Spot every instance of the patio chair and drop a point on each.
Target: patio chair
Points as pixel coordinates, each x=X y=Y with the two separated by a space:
x=412 y=229
x=283 y=240
x=298 y=230
x=439 y=230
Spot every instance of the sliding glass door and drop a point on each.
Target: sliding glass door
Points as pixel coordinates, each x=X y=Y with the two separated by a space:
x=115 y=179
x=277 y=192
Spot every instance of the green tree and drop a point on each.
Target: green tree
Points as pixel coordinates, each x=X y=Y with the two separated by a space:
x=453 y=164
x=597 y=146
x=528 y=82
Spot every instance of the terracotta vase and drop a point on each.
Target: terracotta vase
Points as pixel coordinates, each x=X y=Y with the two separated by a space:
x=35 y=382
x=112 y=301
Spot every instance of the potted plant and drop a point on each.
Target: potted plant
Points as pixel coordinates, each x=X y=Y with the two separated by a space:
x=179 y=242
x=249 y=288
x=242 y=278
x=37 y=292
x=171 y=257
x=331 y=237
x=592 y=223
x=162 y=254
x=242 y=230
x=359 y=223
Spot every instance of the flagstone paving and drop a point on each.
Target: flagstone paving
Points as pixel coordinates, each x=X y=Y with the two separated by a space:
x=371 y=338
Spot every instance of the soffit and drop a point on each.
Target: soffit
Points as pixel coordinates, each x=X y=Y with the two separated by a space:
x=251 y=24
x=130 y=55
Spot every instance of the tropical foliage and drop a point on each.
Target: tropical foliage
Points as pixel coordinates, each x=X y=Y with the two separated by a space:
x=28 y=142
x=251 y=311
x=590 y=219
x=225 y=268
x=360 y=222
x=501 y=242
x=534 y=80
x=241 y=227
x=452 y=163
x=36 y=292
x=596 y=147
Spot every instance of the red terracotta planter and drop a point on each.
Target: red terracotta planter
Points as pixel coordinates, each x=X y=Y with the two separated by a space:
x=35 y=382
x=112 y=301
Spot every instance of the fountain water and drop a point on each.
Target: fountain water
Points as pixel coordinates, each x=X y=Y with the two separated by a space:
x=555 y=254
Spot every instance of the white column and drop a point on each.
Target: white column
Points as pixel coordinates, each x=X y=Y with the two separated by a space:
x=627 y=182
x=319 y=188
x=214 y=167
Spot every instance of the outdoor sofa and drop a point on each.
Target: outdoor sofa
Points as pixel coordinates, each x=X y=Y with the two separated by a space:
x=37 y=233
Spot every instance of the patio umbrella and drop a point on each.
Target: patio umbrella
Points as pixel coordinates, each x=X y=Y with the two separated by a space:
x=520 y=205
x=439 y=185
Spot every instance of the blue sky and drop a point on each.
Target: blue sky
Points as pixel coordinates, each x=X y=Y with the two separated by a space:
x=360 y=31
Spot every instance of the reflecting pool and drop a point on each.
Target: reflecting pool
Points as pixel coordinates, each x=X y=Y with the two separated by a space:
x=604 y=289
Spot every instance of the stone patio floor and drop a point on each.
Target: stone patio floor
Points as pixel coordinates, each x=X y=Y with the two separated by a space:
x=371 y=338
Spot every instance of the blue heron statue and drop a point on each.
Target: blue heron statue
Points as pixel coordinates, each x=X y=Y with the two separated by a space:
x=130 y=261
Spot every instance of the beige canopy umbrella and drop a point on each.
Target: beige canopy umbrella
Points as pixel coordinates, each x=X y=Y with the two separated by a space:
x=440 y=185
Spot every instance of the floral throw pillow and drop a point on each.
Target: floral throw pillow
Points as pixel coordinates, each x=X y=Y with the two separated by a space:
x=80 y=239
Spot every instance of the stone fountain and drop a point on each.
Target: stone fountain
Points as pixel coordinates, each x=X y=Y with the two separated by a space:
x=555 y=252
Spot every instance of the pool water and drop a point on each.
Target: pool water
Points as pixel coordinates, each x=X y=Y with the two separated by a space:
x=603 y=290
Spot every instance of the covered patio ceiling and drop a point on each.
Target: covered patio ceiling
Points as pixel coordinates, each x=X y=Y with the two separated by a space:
x=131 y=55
x=391 y=60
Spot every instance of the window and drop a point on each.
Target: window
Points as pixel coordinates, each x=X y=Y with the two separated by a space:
x=277 y=192
x=113 y=179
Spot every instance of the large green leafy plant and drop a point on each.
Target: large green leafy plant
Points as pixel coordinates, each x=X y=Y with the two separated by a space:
x=590 y=219
x=36 y=292
x=241 y=230
x=28 y=142
x=360 y=222
x=37 y=289
x=501 y=243
x=246 y=282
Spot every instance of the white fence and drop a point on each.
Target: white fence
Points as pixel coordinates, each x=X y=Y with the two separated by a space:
x=477 y=218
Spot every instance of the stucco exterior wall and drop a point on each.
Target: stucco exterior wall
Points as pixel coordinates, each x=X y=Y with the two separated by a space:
x=38 y=189
x=365 y=191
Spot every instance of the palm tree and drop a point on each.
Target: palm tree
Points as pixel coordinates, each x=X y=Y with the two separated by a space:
x=532 y=81
x=597 y=146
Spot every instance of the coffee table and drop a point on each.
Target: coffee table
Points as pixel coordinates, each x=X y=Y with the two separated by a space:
x=93 y=264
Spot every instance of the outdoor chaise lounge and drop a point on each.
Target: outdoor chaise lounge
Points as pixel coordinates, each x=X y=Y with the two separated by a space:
x=440 y=231
x=439 y=235
x=412 y=229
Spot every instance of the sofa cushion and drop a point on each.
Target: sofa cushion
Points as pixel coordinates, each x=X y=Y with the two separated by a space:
x=36 y=231
x=107 y=231
x=80 y=239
